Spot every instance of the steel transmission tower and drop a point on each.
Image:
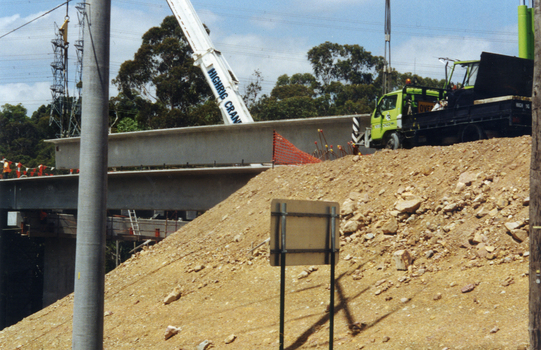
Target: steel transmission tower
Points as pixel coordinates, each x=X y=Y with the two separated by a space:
x=59 y=89
x=75 y=118
x=66 y=110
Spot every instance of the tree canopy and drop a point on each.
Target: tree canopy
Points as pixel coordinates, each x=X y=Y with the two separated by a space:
x=160 y=87
x=345 y=80
x=21 y=138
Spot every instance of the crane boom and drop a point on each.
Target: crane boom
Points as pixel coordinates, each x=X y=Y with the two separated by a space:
x=217 y=72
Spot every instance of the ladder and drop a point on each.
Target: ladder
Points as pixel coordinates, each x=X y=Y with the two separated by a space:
x=134 y=223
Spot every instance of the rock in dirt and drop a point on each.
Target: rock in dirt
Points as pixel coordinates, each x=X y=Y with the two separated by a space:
x=171 y=331
x=468 y=288
x=402 y=259
x=303 y=274
x=478 y=237
x=347 y=208
x=230 y=339
x=351 y=226
x=510 y=226
x=198 y=268
x=409 y=206
x=173 y=296
x=204 y=345
x=390 y=227
x=519 y=235
x=467 y=178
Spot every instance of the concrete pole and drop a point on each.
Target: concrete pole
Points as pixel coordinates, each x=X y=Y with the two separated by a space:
x=91 y=210
x=534 y=326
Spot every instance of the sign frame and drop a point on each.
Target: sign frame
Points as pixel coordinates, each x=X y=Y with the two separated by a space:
x=312 y=248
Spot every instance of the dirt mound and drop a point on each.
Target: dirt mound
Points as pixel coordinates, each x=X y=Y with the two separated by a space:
x=460 y=213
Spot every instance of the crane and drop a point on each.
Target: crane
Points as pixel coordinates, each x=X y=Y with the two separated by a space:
x=217 y=72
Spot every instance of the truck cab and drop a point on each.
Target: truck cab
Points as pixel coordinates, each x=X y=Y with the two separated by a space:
x=464 y=73
x=386 y=119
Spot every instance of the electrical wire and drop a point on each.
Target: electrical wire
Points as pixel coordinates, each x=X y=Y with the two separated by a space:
x=35 y=19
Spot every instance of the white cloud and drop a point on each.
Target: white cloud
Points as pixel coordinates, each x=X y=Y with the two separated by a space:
x=271 y=56
x=209 y=18
x=30 y=96
x=6 y=23
x=420 y=55
x=127 y=29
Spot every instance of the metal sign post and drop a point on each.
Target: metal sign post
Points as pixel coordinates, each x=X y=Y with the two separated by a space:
x=333 y=262
x=311 y=239
x=283 y=252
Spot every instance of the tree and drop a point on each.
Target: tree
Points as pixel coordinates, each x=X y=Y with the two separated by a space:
x=345 y=81
x=21 y=138
x=164 y=87
x=291 y=98
x=270 y=108
x=349 y=64
x=399 y=80
x=253 y=89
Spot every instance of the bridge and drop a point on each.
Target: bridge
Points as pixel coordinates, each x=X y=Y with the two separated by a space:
x=173 y=170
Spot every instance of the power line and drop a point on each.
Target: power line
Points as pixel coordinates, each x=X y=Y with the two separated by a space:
x=35 y=19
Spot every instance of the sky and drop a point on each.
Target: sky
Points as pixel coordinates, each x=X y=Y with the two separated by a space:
x=270 y=36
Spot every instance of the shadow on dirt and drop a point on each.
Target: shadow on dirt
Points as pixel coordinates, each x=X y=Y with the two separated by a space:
x=355 y=327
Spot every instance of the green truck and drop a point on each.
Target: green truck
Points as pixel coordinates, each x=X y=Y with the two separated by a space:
x=490 y=97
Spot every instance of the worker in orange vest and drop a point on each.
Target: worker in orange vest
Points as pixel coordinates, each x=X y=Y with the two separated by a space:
x=7 y=169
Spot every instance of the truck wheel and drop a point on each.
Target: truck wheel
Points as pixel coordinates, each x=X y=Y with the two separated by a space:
x=393 y=141
x=472 y=132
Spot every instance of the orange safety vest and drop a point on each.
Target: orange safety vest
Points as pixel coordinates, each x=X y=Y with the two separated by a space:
x=7 y=169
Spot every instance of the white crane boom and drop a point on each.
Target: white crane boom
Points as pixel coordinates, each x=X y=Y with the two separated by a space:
x=220 y=77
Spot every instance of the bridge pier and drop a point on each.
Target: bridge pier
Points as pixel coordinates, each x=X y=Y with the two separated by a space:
x=58 y=269
x=21 y=276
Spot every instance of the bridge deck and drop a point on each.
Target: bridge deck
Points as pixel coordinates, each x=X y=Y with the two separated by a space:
x=178 y=189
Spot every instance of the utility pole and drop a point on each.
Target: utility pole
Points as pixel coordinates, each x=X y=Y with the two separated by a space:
x=534 y=326
x=88 y=305
x=387 y=59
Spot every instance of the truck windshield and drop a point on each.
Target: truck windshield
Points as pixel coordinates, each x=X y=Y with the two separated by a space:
x=466 y=72
x=388 y=102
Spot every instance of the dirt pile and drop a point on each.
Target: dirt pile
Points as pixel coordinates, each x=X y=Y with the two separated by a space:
x=455 y=217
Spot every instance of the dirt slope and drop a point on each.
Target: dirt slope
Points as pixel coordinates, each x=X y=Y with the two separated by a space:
x=461 y=212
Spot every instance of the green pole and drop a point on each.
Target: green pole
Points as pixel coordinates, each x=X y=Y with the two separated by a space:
x=525 y=32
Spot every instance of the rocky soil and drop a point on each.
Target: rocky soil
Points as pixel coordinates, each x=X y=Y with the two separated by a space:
x=434 y=255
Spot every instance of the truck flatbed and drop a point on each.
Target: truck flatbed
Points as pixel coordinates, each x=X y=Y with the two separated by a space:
x=493 y=113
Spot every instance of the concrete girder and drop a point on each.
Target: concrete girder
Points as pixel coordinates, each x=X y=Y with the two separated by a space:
x=180 y=189
x=223 y=144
